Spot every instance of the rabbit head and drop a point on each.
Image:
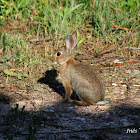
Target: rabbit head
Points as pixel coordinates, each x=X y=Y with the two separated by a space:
x=63 y=54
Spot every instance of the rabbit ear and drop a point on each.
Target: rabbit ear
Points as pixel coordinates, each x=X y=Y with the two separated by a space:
x=71 y=41
x=74 y=35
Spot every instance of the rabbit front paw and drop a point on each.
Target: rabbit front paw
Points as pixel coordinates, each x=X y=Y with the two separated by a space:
x=67 y=100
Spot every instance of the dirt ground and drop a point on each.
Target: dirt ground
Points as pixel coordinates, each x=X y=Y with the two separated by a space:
x=37 y=111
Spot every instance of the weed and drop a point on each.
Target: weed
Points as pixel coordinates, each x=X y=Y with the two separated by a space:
x=32 y=132
x=10 y=137
x=16 y=109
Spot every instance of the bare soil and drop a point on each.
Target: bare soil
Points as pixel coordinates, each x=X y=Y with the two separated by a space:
x=37 y=111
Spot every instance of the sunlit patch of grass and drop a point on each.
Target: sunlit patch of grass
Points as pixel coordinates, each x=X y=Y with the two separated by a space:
x=100 y=25
x=20 y=60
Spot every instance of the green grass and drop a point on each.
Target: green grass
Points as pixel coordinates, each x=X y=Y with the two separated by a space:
x=23 y=20
x=60 y=17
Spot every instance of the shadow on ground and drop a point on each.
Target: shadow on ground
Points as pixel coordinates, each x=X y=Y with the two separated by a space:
x=59 y=120
x=49 y=78
x=65 y=121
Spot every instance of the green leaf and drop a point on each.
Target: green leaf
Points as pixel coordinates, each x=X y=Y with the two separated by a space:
x=3 y=66
x=78 y=53
x=19 y=76
x=80 y=41
x=77 y=6
x=9 y=72
x=8 y=11
x=25 y=75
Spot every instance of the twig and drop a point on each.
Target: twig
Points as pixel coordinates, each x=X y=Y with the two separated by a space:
x=97 y=54
x=118 y=64
x=41 y=40
x=105 y=51
x=117 y=26
x=132 y=48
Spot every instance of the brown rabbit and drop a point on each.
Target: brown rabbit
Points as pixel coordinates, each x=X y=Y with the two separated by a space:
x=78 y=77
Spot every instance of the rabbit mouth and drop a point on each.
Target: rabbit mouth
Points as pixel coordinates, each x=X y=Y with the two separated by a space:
x=58 y=63
x=61 y=63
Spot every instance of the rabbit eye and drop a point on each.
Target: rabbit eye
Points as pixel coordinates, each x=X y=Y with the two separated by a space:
x=59 y=53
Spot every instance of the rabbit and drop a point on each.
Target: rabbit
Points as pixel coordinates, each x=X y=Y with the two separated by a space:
x=77 y=76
